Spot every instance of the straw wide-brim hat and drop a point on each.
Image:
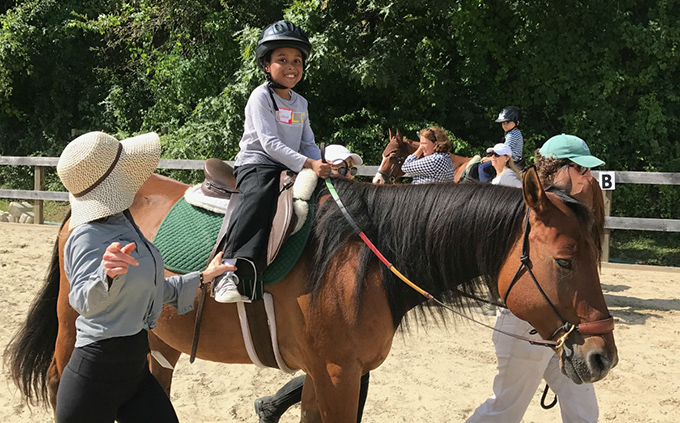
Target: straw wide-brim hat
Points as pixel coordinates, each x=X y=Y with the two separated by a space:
x=102 y=175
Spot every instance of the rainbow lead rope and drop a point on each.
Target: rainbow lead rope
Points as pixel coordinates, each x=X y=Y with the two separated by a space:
x=373 y=248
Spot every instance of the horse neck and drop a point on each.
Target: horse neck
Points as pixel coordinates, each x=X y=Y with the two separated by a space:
x=476 y=228
x=459 y=161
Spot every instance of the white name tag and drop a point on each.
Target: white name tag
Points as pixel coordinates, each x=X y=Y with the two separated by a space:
x=285 y=116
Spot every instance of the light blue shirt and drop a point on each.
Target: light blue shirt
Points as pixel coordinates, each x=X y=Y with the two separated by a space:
x=134 y=300
x=277 y=137
x=515 y=140
x=508 y=178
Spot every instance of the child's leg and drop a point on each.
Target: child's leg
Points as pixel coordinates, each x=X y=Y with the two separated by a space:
x=486 y=172
x=248 y=233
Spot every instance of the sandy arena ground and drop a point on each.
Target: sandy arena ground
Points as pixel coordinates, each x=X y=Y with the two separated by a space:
x=433 y=374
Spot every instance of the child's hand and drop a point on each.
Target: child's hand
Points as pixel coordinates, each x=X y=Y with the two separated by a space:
x=322 y=170
x=117 y=260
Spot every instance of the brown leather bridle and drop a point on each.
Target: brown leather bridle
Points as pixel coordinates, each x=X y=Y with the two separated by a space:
x=598 y=327
x=389 y=176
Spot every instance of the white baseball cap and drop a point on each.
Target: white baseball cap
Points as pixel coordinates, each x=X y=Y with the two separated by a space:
x=336 y=153
x=500 y=149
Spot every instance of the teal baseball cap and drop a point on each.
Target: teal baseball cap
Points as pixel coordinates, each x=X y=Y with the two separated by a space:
x=570 y=147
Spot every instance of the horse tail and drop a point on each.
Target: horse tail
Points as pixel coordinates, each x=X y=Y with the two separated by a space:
x=29 y=354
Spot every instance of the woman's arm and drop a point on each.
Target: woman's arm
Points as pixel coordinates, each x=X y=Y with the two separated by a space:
x=180 y=290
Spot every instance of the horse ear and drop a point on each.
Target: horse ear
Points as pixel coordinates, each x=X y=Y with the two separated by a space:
x=400 y=138
x=389 y=133
x=534 y=194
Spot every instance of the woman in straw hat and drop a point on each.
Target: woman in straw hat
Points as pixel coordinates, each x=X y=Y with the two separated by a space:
x=117 y=284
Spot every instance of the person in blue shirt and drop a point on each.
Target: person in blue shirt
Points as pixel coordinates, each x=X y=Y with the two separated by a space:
x=512 y=137
x=276 y=136
x=117 y=284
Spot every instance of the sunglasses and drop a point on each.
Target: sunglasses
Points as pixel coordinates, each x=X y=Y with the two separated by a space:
x=493 y=155
x=342 y=170
x=580 y=169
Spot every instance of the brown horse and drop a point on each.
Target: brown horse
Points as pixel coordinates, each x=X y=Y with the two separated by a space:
x=393 y=156
x=339 y=308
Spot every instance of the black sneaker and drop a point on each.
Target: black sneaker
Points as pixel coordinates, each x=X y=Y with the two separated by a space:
x=266 y=411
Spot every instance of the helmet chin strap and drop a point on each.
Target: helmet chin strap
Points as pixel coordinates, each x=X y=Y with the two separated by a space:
x=273 y=84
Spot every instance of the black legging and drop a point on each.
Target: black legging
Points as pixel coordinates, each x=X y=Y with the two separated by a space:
x=270 y=409
x=110 y=380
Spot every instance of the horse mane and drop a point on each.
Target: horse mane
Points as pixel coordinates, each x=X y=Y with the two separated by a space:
x=449 y=239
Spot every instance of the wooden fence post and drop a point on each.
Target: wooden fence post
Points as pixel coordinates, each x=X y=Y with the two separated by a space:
x=38 y=185
x=607 y=197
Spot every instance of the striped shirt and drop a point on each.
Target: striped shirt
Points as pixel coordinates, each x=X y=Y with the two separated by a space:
x=436 y=167
x=515 y=141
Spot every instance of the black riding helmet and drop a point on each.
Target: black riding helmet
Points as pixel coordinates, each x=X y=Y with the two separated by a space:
x=281 y=34
x=509 y=114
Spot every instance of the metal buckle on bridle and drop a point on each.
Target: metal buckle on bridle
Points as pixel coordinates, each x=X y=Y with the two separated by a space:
x=568 y=328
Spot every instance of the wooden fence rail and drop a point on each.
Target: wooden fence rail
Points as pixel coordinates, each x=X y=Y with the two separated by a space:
x=38 y=194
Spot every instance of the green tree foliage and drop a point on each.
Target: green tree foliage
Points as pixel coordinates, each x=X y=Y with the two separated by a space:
x=607 y=71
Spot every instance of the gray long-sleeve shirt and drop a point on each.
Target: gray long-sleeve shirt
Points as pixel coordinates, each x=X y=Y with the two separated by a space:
x=277 y=137
x=134 y=300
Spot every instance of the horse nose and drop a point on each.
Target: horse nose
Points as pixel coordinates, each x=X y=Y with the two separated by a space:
x=378 y=179
x=600 y=363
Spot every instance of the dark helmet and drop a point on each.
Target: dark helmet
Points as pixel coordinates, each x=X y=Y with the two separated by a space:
x=281 y=34
x=509 y=114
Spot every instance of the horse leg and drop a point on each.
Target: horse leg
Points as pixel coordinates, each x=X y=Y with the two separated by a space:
x=309 y=410
x=336 y=388
x=162 y=374
x=52 y=381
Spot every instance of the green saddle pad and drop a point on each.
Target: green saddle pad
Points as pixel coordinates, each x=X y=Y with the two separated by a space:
x=188 y=234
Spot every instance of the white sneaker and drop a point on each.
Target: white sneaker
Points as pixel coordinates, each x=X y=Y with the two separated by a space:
x=226 y=291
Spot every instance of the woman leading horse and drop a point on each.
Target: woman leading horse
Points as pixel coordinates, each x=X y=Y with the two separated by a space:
x=339 y=307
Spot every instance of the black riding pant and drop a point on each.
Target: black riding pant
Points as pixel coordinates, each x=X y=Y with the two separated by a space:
x=251 y=221
x=110 y=380
x=273 y=407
